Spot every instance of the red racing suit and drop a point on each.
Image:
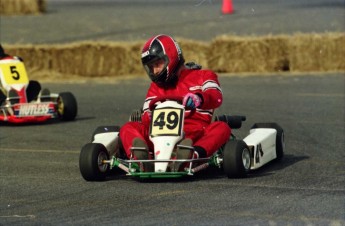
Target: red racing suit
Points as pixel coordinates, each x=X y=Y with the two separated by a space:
x=198 y=125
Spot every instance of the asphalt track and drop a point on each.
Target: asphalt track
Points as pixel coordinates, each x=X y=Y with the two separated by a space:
x=39 y=174
x=41 y=183
x=130 y=20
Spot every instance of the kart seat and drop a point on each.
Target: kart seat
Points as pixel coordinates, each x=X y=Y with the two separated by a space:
x=193 y=66
x=45 y=95
x=233 y=121
x=13 y=97
x=135 y=116
x=2 y=97
x=33 y=90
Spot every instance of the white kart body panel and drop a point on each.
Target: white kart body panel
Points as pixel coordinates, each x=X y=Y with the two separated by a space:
x=262 y=142
x=164 y=145
x=110 y=140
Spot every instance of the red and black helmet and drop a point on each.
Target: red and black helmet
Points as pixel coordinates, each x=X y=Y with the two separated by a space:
x=166 y=48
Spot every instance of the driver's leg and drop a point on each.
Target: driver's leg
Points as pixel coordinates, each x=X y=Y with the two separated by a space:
x=131 y=131
x=215 y=135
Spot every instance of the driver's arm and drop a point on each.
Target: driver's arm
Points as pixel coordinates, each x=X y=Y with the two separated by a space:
x=151 y=94
x=211 y=92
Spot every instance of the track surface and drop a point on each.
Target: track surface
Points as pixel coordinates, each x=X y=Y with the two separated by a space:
x=41 y=183
x=129 y=20
x=39 y=172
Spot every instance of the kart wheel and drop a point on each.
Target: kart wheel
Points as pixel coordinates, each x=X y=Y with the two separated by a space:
x=236 y=159
x=67 y=106
x=90 y=162
x=280 y=139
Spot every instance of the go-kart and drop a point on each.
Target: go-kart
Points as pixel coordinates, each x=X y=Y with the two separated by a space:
x=23 y=101
x=236 y=158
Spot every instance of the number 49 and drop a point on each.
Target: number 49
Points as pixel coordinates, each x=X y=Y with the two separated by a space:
x=171 y=121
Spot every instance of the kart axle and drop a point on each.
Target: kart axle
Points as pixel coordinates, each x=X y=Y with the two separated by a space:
x=115 y=162
x=200 y=167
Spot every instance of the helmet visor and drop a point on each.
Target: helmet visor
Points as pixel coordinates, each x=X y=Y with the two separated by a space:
x=155 y=66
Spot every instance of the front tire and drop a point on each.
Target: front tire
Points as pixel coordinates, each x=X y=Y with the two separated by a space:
x=236 y=159
x=90 y=162
x=67 y=106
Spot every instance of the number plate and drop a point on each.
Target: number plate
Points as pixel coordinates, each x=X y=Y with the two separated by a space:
x=14 y=73
x=166 y=122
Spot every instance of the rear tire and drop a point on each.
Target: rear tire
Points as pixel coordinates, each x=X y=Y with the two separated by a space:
x=280 y=139
x=236 y=159
x=90 y=162
x=67 y=106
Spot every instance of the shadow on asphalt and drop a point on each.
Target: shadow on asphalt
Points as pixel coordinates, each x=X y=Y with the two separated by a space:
x=271 y=167
x=214 y=173
x=48 y=122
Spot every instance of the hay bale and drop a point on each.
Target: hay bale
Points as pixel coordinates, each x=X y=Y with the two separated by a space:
x=226 y=54
x=87 y=59
x=194 y=51
x=249 y=54
x=20 y=7
x=133 y=61
x=317 y=52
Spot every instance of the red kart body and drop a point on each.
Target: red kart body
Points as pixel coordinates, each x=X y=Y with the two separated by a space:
x=23 y=101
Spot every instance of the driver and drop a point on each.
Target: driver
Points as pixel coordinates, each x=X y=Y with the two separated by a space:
x=163 y=61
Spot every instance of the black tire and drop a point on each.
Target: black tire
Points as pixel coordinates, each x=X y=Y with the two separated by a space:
x=236 y=159
x=90 y=162
x=280 y=139
x=67 y=106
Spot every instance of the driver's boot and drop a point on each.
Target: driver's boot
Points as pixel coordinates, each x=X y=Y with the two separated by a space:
x=184 y=151
x=141 y=152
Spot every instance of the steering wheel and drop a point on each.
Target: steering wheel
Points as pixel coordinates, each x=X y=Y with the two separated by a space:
x=153 y=102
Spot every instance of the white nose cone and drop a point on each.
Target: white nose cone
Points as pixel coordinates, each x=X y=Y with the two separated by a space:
x=163 y=150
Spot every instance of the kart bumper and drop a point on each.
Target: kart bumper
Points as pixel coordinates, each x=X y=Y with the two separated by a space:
x=28 y=119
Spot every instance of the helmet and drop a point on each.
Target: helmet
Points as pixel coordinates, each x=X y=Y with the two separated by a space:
x=166 y=48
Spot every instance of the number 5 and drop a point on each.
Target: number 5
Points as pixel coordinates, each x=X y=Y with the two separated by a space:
x=14 y=71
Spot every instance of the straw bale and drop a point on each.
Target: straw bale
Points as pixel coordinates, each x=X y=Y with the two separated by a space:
x=249 y=54
x=35 y=57
x=133 y=61
x=226 y=54
x=87 y=59
x=18 y=7
x=317 y=52
x=194 y=51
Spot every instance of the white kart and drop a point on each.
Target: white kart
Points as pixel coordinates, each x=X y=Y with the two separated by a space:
x=236 y=158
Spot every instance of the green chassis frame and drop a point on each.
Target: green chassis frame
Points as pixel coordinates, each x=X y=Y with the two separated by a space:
x=132 y=168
